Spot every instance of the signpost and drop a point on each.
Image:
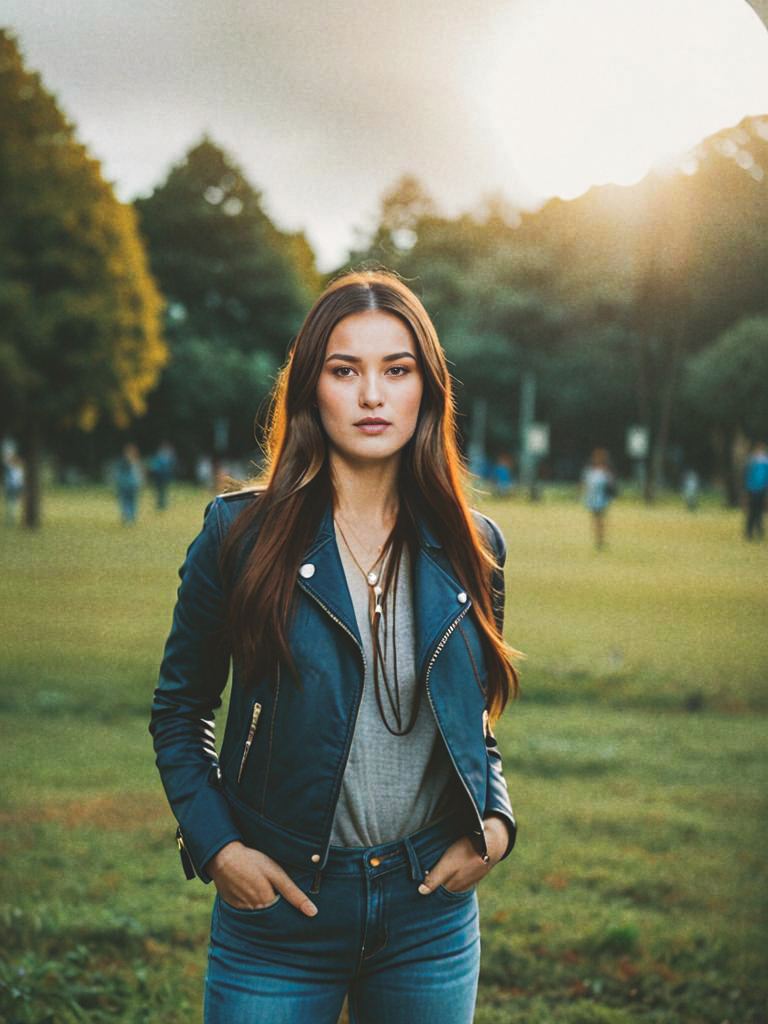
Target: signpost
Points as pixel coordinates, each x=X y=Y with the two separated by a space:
x=637 y=446
x=537 y=447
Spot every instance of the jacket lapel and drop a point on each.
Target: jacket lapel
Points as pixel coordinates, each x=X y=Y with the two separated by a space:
x=436 y=602
x=321 y=574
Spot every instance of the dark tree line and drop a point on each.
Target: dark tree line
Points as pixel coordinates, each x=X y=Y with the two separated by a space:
x=642 y=305
x=618 y=301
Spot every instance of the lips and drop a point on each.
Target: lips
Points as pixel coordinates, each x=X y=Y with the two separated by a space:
x=372 y=425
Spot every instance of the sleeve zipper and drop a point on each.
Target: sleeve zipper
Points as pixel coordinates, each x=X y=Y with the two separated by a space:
x=190 y=871
x=249 y=741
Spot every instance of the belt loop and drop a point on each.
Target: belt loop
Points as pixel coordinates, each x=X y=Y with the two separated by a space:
x=316 y=882
x=417 y=873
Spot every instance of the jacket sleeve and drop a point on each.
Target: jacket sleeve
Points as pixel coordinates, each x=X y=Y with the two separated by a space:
x=193 y=674
x=497 y=793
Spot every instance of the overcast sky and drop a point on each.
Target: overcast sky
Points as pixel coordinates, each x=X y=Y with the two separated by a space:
x=324 y=104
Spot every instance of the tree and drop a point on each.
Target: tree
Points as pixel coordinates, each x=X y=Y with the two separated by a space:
x=728 y=385
x=80 y=335
x=672 y=260
x=484 y=292
x=237 y=289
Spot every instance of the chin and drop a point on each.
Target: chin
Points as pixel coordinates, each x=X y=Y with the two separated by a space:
x=368 y=452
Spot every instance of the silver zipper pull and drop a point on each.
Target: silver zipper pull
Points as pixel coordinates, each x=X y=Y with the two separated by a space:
x=251 y=733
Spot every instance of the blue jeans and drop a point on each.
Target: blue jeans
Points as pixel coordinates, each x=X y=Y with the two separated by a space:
x=126 y=500
x=402 y=958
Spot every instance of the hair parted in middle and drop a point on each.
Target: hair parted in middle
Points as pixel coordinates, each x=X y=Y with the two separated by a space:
x=264 y=547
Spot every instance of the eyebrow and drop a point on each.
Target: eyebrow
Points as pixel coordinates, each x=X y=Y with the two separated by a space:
x=356 y=359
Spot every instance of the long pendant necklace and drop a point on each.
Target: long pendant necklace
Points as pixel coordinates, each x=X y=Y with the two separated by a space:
x=372 y=577
x=377 y=602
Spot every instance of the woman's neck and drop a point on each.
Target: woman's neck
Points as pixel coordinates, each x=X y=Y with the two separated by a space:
x=366 y=495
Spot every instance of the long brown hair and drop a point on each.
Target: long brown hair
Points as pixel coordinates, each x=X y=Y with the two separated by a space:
x=263 y=549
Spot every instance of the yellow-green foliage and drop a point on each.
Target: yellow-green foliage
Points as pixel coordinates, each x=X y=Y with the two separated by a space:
x=80 y=333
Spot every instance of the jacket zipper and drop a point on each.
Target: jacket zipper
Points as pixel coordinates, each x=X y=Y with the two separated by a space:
x=249 y=741
x=190 y=871
x=359 y=646
x=437 y=650
x=271 y=737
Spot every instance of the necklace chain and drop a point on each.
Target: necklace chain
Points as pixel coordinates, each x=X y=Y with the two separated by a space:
x=370 y=573
x=380 y=678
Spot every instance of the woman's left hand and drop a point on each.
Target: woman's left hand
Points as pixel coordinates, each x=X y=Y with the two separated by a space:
x=461 y=866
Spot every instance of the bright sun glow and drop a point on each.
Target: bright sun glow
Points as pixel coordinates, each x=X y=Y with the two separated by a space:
x=587 y=92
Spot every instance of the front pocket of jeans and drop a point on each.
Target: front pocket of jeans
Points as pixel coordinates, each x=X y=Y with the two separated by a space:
x=249 y=911
x=451 y=895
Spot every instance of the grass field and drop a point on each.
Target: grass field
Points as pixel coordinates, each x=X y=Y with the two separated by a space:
x=636 y=758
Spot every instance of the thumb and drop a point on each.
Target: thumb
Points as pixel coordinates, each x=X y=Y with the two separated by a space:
x=293 y=894
x=430 y=883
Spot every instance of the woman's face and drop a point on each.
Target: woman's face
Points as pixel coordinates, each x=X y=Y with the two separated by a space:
x=370 y=387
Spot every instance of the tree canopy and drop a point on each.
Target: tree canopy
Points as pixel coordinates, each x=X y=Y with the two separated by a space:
x=605 y=297
x=237 y=288
x=728 y=381
x=80 y=331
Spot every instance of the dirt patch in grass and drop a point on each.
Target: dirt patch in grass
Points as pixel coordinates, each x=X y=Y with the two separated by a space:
x=114 y=812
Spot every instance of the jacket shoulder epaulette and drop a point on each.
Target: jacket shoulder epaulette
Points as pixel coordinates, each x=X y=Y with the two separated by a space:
x=241 y=495
x=490 y=530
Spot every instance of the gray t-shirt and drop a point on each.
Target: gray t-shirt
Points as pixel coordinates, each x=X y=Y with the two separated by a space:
x=392 y=785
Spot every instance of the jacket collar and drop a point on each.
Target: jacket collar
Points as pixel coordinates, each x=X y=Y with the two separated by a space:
x=438 y=597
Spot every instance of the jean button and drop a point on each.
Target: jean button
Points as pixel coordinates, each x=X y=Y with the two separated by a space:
x=374 y=862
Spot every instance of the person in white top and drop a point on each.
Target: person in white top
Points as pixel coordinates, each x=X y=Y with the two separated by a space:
x=599 y=488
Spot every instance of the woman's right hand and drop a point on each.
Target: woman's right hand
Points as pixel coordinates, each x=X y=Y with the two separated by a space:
x=250 y=880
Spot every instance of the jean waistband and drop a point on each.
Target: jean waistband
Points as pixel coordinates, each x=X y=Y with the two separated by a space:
x=417 y=850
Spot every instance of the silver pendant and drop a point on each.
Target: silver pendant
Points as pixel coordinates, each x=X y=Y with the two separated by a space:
x=372 y=578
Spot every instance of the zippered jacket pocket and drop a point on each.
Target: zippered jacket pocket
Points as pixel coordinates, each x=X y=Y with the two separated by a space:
x=186 y=860
x=251 y=733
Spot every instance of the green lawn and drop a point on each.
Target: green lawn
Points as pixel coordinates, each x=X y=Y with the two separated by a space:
x=636 y=759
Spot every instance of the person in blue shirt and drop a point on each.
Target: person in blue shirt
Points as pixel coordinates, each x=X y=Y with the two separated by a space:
x=756 y=485
x=128 y=479
x=162 y=468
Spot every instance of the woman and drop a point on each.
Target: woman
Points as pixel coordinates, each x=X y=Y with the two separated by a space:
x=358 y=796
x=128 y=480
x=599 y=487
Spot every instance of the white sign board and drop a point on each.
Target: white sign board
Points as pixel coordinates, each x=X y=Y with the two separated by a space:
x=537 y=439
x=637 y=442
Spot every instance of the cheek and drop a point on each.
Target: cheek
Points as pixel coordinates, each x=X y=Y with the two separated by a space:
x=412 y=404
x=327 y=404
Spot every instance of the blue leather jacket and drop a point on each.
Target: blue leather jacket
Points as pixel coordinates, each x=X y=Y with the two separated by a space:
x=276 y=781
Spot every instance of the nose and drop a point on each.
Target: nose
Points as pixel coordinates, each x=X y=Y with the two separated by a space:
x=370 y=393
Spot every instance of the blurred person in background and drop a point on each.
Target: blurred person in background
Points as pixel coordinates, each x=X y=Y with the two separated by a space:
x=756 y=486
x=599 y=489
x=128 y=481
x=13 y=487
x=502 y=476
x=358 y=796
x=162 y=469
x=691 y=489
x=204 y=471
